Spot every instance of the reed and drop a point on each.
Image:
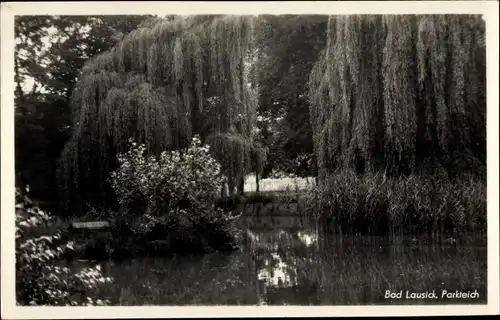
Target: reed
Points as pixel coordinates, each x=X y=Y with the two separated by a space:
x=375 y=204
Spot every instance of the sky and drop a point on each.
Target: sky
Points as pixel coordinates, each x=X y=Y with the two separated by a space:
x=49 y=39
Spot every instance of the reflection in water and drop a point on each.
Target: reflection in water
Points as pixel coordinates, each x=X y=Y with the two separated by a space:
x=308 y=238
x=285 y=266
x=277 y=273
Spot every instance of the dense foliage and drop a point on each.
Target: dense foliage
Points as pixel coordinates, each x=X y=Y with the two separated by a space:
x=161 y=85
x=39 y=278
x=49 y=54
x=182 y=184
x=287 y=47
x=401 y=93
x=170 y=199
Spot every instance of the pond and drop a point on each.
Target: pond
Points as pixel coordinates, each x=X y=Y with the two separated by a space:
x=282 y=264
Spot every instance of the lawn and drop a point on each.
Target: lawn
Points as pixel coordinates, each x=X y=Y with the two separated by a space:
x=281 y=184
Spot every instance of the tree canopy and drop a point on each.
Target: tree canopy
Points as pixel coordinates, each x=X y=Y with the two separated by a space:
x=49 y=54
x=288 y=46
x=402 y=94
x=161 y=85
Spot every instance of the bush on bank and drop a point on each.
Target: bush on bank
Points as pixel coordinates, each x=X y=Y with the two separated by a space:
x=375 y=204
x=166 y=203
x=39 y=281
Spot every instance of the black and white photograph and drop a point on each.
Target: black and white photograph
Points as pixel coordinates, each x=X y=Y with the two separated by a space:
x=262 y=157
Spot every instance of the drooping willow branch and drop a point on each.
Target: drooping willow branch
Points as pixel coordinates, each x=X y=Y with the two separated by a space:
x=160 y=86
x=402 y=94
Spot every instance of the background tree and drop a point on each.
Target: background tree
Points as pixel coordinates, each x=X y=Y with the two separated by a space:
x=50 y=52
x=401 y=93
x=288 y=46
x=161 y=85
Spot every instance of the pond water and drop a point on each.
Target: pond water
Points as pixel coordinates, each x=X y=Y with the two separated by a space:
x=282 y=264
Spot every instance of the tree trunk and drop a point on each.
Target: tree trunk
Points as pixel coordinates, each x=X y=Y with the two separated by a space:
x=257 y=187
x=230 y=185
x=18 y=91
x=241 y=186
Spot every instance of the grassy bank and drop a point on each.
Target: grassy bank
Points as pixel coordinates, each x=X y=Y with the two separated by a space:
x=281 y=184
x=416 y=205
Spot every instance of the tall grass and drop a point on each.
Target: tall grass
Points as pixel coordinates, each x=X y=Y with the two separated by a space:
x=374 y=204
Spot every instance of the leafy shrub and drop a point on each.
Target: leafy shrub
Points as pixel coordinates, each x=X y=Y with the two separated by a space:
x=39 y=280
x=177 y=188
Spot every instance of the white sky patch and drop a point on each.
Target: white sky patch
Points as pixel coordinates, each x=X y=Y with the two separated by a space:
x=53 y=37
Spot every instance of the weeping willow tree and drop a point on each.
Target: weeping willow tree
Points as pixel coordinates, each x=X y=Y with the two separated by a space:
x=401 y=94
x=160 y=86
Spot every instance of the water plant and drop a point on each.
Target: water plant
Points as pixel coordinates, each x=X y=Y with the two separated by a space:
x=377 y=204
